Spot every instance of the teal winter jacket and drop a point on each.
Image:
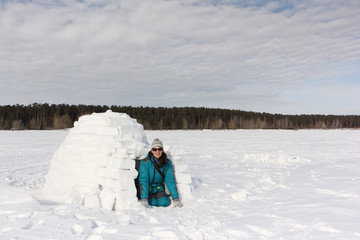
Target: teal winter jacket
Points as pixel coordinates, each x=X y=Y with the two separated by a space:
x=151 y=180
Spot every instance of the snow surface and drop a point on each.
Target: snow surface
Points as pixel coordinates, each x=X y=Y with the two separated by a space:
x=247 y=184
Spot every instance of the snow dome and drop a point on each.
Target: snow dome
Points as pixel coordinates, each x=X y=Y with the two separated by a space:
x=95 y=165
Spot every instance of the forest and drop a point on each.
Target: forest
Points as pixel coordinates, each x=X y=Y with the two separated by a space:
x=61 y=116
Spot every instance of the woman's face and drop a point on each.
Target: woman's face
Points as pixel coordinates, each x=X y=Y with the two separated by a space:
x=157 y=151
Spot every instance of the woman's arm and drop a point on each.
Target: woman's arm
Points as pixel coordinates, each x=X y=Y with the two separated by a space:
x=170 y=181
x=144 y=180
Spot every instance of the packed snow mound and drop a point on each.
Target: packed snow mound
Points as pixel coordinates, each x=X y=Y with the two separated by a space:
x=95 y=165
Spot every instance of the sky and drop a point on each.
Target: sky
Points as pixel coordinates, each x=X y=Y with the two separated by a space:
x=285 y=56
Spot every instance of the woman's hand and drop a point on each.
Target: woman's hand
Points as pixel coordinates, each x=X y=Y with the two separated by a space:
x=177 y=203
x=145 y=202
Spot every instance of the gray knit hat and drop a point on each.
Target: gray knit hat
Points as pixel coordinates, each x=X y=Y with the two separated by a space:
x=156 y=143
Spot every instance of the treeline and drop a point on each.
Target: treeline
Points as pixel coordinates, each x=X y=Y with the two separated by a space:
x=44 y=116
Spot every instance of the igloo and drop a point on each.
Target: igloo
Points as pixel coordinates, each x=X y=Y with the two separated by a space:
x=95 y=165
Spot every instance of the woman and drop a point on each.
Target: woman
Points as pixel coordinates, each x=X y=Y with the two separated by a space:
x=154 y=172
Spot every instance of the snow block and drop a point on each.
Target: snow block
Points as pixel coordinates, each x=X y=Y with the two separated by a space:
x=95 y=165
x=183 y=178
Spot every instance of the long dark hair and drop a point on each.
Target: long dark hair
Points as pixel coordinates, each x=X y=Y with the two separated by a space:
x=163 y=158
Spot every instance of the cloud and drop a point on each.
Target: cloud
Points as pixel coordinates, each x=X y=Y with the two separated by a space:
x=172 y=53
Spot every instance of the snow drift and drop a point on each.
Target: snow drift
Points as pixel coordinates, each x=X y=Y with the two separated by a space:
x=95 y=165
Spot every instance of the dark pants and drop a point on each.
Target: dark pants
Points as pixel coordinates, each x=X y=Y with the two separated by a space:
x=159 y=199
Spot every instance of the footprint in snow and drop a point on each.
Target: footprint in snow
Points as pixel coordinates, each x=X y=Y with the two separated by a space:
x=27 y=226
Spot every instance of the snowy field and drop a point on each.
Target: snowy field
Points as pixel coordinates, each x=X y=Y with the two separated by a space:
x=247 y=184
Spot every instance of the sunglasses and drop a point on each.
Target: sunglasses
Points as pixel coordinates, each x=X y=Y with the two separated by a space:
x=156 y=149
